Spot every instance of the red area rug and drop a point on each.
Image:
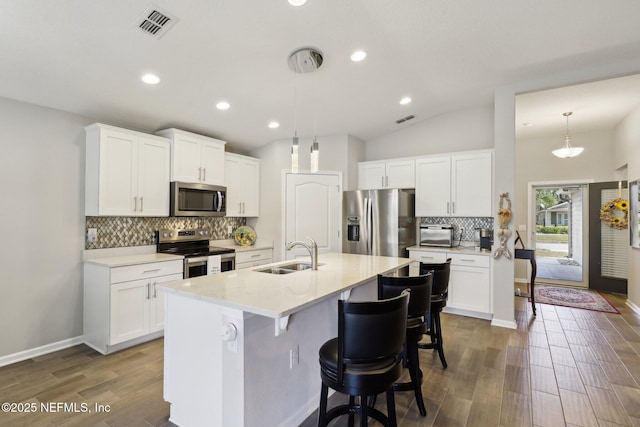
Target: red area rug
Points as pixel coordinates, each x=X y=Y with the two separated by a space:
x=576 y=298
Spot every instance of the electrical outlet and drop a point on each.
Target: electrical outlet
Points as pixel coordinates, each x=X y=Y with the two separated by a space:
x=229 y=229
x=294 y=357
x=92 y=235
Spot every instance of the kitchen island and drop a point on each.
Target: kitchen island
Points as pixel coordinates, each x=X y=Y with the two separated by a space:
x=241 y=347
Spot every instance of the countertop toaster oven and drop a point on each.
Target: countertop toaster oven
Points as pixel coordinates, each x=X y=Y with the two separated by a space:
x=436 y=235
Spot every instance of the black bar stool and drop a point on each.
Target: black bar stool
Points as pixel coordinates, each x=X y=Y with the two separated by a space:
x=365 y=359
x=439 y=295
x=419 y=302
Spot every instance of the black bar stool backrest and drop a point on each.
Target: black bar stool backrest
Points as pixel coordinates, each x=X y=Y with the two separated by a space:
x=441 y=272
x=420 y=287
x=371 y=330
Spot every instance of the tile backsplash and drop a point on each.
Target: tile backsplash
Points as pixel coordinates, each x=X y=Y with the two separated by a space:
x=116 y=232
x=468 y=224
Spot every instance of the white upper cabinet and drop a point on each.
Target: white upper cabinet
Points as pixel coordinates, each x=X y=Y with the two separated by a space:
x=242 y=179
x=127 y=173
x=433 y=186
x=195 y=158
x=455 y=185
x=386 y=174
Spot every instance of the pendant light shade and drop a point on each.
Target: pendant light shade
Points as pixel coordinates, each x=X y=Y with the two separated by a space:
x=315 y=155
x=567 y=149
x=304 y=60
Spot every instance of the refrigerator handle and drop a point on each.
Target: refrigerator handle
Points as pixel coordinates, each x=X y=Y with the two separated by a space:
x=370 y=227
x=365 y=224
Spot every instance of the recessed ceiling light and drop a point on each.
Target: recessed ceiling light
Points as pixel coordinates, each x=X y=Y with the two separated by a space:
x=223 y=105
x=405 y=100
x=150 y=79
x=297 y=2
x=273 y=125
x=358 y=55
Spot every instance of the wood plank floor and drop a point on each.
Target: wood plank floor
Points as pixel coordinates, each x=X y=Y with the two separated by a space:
x=565 y=367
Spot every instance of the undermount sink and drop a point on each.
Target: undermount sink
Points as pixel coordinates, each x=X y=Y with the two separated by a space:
x=286 y=268
x=276 y=270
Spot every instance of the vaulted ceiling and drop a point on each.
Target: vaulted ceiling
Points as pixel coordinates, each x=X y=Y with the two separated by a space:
x=87 y=57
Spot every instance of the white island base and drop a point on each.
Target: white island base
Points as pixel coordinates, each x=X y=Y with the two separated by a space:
x=268 y=373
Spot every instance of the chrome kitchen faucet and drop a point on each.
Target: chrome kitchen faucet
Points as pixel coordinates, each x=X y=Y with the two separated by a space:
x=312 y=248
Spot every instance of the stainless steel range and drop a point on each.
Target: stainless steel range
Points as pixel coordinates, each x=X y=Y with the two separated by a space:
x=198 y=255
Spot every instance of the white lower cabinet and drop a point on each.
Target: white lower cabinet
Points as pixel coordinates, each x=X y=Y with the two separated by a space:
x=469 y=282
x=253 y=258
x=122 y=305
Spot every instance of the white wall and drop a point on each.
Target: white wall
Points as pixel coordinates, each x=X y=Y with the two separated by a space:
x=505 y=158
x=627 y=149
x=536 y=163
x=42 y=214
x=464 y=130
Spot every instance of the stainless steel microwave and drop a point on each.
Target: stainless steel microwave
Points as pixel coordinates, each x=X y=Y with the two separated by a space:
x=188 y=199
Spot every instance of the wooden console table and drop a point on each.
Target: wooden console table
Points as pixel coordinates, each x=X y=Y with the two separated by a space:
x=530 y=254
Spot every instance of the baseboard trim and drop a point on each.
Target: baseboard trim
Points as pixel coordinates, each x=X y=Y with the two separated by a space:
x=39 y=351
x=510 y=324
x=632 y=306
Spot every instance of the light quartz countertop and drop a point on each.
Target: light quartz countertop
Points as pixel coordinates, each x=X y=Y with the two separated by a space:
x=120 y=261
x=231 y=244
x=464 y=248
x=279 y=295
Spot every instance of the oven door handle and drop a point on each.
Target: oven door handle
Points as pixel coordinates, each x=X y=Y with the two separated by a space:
x=194 y=260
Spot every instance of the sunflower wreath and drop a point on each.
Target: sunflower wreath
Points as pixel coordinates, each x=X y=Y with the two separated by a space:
x=607 y=213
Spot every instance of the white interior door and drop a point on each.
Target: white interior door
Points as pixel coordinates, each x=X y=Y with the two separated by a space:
x=312 y=209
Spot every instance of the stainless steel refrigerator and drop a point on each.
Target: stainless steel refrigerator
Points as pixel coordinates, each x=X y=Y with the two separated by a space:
x=378 y=222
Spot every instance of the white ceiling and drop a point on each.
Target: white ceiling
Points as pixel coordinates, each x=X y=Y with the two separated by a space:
x=598 y=105
x=86 y=57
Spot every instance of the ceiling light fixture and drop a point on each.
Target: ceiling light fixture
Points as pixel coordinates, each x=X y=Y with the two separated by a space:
x=223 y=105
x=273 y=125
x=297 y=2
x=567 y=149
x=150 y=79
x=304 y=60
x=404 y=101
x=358 y=55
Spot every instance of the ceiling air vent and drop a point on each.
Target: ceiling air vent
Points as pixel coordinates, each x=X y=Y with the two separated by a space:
x=404 y=119
x=155 y=22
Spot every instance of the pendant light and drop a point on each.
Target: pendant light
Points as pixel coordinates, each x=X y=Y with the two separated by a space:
x=294 y=144
x=567 y=149
x=304 y=60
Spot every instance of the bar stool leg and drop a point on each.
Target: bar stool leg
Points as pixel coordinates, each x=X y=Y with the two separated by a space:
x=438 y=329
x=364 y=409
x=352 y=402
x=391 y=408
x=416 y=377
x=322 y=411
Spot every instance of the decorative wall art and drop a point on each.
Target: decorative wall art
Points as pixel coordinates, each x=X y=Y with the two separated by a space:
x=503 y=233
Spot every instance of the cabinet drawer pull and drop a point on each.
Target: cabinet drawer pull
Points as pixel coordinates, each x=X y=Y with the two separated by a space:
x=255 y=256
x=467 y=260
x=204 y=174
x=155 y=290
x=150 y=271
x=426 y=257
x=199 y=174
x=141 y=203
x=135 y=203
